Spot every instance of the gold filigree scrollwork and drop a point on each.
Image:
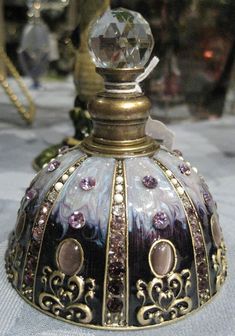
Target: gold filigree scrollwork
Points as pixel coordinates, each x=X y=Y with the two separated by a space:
x=220 y=265
x=67 y=297
x=164 y=298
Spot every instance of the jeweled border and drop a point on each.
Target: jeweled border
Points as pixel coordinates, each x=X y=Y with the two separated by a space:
x=35 y=245
x=195 y=227
x=117 y=251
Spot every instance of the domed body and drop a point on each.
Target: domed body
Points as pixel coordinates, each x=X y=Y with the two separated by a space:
x=117 y=243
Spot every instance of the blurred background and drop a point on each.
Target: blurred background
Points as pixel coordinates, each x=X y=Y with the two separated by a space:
x=195 y=41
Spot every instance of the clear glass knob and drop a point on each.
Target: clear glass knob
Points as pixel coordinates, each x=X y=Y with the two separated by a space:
x=120 y=39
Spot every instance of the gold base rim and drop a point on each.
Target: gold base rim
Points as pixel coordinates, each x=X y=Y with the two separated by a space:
x=110 y=328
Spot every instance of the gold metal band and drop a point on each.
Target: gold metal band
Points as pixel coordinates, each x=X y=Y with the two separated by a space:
x=122 y=149
x=116 y=281
x=194 y=224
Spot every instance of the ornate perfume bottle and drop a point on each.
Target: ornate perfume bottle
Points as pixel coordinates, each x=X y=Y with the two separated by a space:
x=119 y=232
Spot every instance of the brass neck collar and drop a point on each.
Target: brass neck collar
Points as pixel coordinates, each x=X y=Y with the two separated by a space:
x=119 y=119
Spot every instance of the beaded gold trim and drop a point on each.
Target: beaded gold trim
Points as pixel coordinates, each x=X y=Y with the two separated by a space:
x=115 y=301
x=198 y=241
x=38 y=230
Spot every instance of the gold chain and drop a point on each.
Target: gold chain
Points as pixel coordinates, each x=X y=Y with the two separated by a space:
x=27 y=114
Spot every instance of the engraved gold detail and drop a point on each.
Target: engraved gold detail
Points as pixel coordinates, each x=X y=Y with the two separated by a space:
x=67 y=297
x=220 y=265
x=164 y=298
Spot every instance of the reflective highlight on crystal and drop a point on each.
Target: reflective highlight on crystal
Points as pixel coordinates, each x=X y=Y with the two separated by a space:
x=77 y=220
x=121 y=39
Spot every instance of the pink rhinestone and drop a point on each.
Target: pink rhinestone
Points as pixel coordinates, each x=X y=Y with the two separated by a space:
x=53 y=165
x=87 y=183
x=31 y=194
x=161 y=220
x=77 y=220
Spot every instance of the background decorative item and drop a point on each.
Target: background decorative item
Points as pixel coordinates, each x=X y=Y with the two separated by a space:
x=34 y=46
x=87 y=81
x=27 y=114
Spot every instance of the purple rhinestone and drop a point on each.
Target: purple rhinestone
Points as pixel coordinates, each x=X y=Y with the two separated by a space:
x=31 y=194
x=34 y=247
x=77 y=220
x=190 y=212
x=87 y=183
x=63 y=149
x=202 y=269
x=116 y=254
x=185 y=169
x=207 y=197
x=198 y=240
x=115 y=287
x=149 y=182
x=203 y=284
x=194 y=225
x=115 y=305
x=31 y=263
x=28 y=279
x=177 y=152
x=161 y=220
x=117 y=222
x=37 y=233
x=116 y=269
x=53 y=165
x=200 y=253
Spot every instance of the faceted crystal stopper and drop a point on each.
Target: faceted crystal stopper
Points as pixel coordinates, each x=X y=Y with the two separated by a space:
x=120 y=39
